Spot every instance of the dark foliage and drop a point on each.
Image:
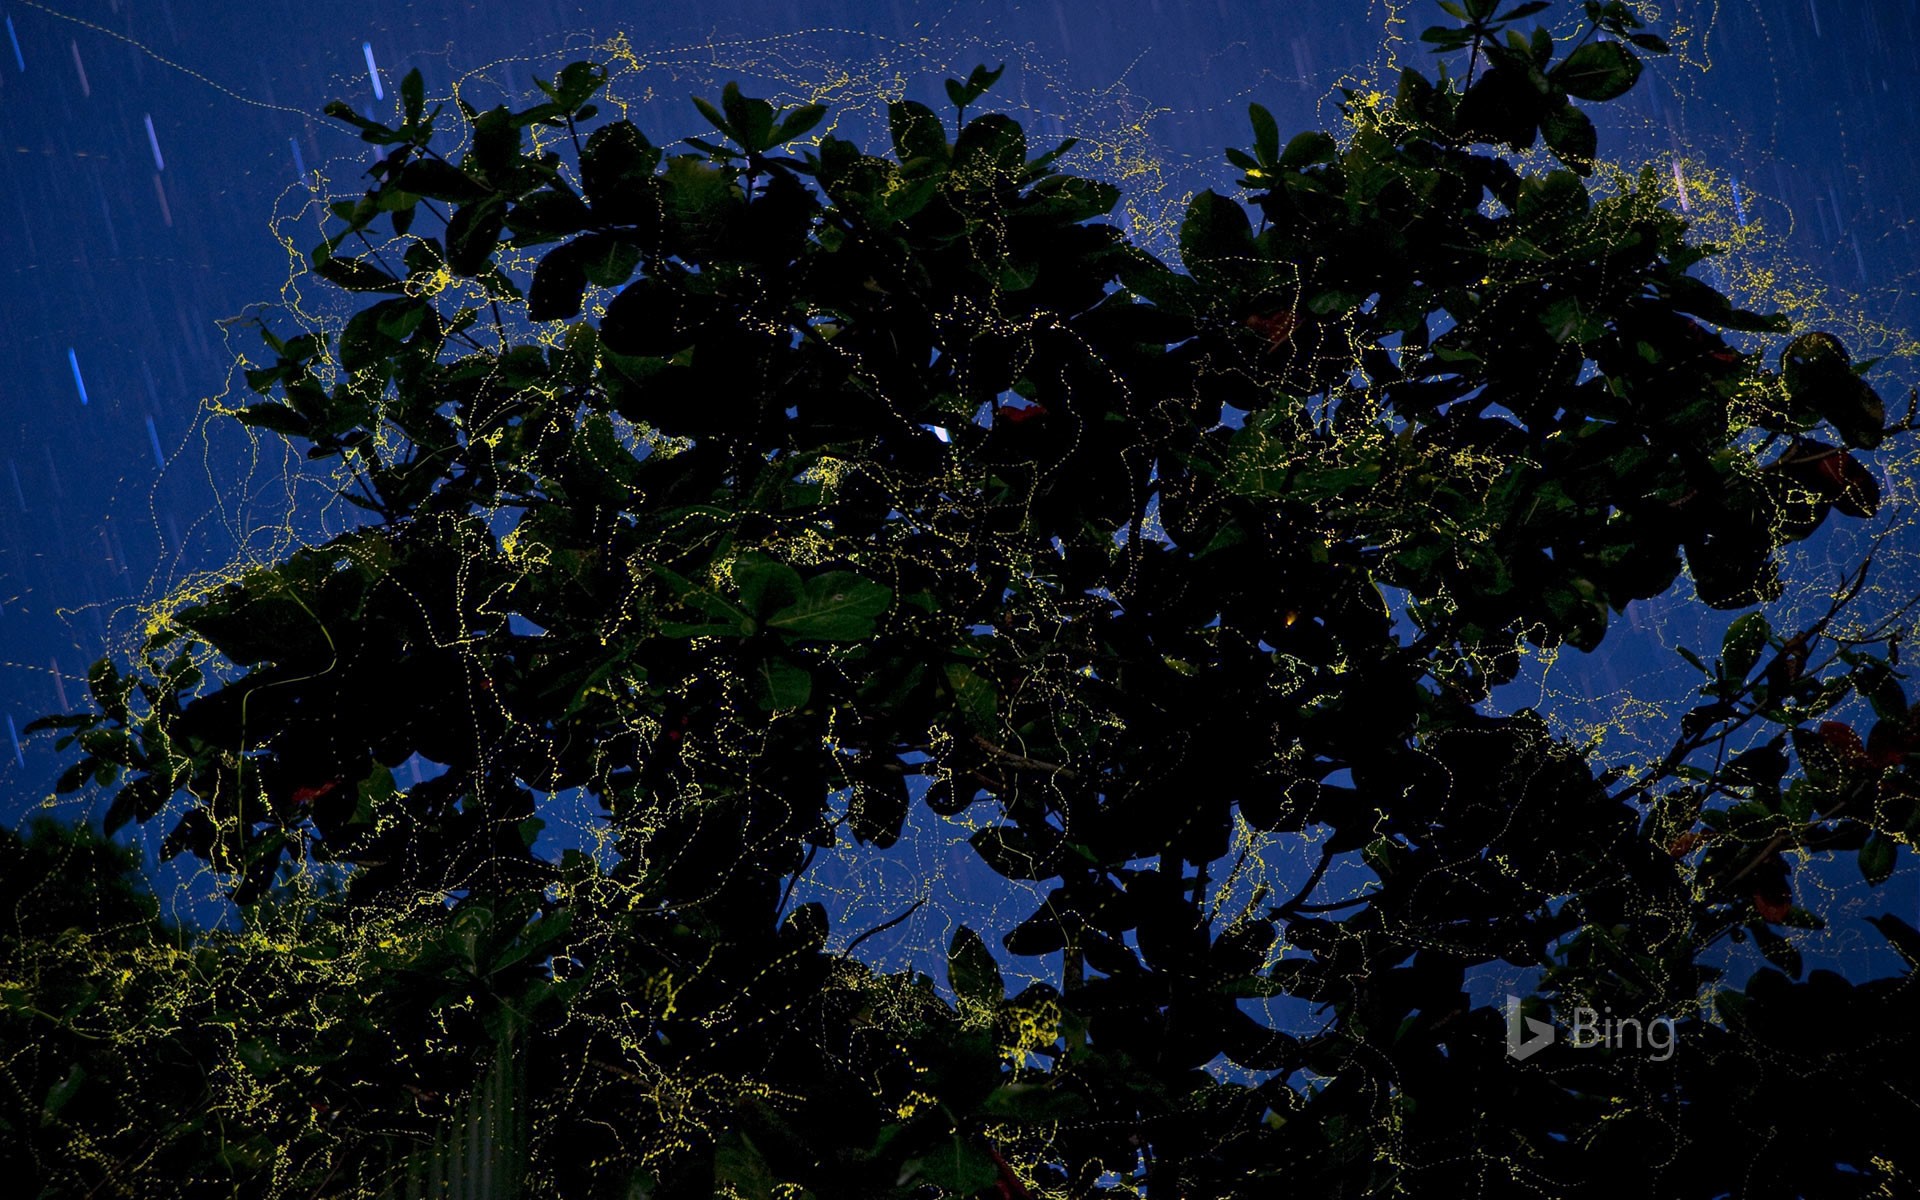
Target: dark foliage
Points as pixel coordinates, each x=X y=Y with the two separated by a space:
x=934 y=479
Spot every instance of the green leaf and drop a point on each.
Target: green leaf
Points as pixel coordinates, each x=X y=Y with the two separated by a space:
x=1800 y=918
x=977 y=700
x=691 y=594
x=779 y=685
x=413 y=95
x=1877 y=858
x=1572 y=138
x=1307 y=149
x=957 y=1168
x=60 y=1093
x=1776 y=948
x=1905 y=939
x=1034 y=1103
x=1016 y=853
x=548 y=215
x=1445 y=37
x=766 y=584
x=1266 y=135
x=1597 y=71
x=991 y=148
x=1215 y=228
x=615 y=171
x=277 y=418
x=838 y=606
x=473 y=233
x=1741 y=646
x=917 y=132
x=714 y=116
x=739 y=1170
x=971 y=969
x=559 y=286
x=976 y=85
x=1542 y=46
x=752 y=120
x=376 y=333
x=437 y=180
x=539 y=933
x=799 y=122
x=355 y=274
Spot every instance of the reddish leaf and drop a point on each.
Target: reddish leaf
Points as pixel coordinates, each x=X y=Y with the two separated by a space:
x=1790 y=663
x=1844 y=741
x=1773 y=908
x=308 y=795
x=1683 y=845
x=1887 y=744
x=1835 y=476
x=1277 y=328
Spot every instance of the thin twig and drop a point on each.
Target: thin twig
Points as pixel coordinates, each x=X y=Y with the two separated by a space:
x=788 y=895
x=1336 y=905
x=1687 y=745
x=1021 y=760
x=848 y=952
x=1313 y=881
x=1780 y=839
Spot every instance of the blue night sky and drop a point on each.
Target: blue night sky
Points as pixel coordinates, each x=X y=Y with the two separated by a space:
x=146 y=146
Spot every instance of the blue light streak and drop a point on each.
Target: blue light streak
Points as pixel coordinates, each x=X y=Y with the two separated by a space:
x=153 y=140
x=73 y=360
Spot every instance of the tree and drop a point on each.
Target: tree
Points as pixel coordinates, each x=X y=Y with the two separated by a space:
x=812 y=470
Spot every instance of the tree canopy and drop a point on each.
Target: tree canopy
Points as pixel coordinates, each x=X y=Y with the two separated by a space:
x=764 y=488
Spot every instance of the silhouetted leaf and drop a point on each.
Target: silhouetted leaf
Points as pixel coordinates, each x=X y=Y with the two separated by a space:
x=971 y=969
x=1597 y=71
